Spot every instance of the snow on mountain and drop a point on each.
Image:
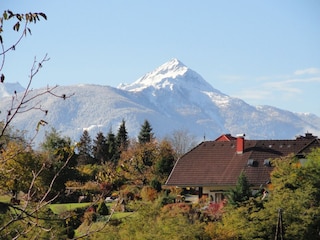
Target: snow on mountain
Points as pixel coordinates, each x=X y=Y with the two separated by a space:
x=7 y=89
x=172 y=97
x=168 y=76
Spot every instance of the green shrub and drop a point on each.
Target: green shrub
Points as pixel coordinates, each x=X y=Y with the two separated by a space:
x=103 y=209
x=156 y=185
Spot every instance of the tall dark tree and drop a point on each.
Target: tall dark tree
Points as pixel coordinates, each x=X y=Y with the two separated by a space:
x=100 y=149
x=112 y=148
x=85 y=149
x=122 y=137
x=146 y=134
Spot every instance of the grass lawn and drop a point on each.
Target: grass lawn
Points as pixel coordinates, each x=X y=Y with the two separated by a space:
x=101 y=223
x=63 y=207
x=119 y=215
x=5 y=198
x=58 y=208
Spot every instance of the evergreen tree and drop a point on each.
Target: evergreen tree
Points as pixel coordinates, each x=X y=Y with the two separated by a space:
x=85 y=149
x=122 y=137
x=112 y=148
x=145 y=134
x=241 y=192
x=100 y=150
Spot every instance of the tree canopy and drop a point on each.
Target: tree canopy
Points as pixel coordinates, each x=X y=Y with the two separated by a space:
x=145 y=134
x=122 y=136
x=294 y=192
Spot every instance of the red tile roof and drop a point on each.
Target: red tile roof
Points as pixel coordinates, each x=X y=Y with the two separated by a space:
x=217 y=164
x=225 y=137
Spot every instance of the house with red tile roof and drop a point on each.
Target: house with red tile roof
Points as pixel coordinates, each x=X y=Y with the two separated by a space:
x=213 y=167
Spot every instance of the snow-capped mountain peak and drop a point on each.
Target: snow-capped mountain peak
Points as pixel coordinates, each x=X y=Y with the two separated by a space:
x=172 y=97
x=172 y=69
x=169 y=70
x=170 y=74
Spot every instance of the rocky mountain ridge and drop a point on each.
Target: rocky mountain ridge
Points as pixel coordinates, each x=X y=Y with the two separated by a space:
x=172 y=97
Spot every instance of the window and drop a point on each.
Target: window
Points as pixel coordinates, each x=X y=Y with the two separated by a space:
x=267 y=162
x=216 y=197
x=251 y=163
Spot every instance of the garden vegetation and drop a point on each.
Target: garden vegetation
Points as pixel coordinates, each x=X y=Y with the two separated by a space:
x=112 y=187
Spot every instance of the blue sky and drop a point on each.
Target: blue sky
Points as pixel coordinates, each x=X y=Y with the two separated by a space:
x=265 y=52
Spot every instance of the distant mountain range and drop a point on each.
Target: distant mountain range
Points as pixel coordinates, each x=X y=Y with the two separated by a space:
x=7 y=89
x=172 y=97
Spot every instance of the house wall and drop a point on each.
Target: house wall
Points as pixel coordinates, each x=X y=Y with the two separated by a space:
x=214 y=195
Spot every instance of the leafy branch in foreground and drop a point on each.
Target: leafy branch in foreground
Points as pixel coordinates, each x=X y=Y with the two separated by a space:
x=27 y=101
x=20 y=19
x=23 y=169
x=19 y=104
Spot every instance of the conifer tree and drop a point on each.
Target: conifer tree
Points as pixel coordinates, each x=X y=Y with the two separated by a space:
x=112 y=149
x=100 y=150
x=146 y=134
x=122 y=137
x=241 y=192
x=85 y=149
